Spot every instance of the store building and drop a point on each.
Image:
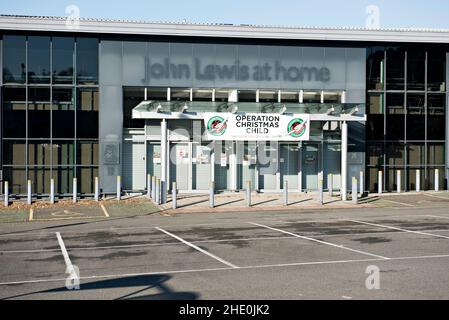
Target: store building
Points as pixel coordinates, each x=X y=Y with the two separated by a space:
x=198 y=103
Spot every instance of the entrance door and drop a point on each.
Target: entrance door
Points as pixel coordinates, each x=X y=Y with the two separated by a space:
x=154 y=159
x=222 y=152
x=134 y=165
x=201 y=167
x=246 y=164
x=310 y=166
x=289 y=165
x=268 y=166
x=180 y=160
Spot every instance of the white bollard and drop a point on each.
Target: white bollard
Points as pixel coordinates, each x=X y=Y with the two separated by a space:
x=97 y=190
x=149 y=186
x=74 y=189
x=157 y=192
x=320 y=191
x=380 y=183
x=174 y=194
x=211 y=195
x=248 y=194
x=418 y=180
x=52 y=191
x=362 y=183
x=398 y=181
x=286 y=193
x=6 y=194
x=437 y=180
x=119 y=188
x=330 y=184
x=29 y=199
x=355 y=197
x=153 y=188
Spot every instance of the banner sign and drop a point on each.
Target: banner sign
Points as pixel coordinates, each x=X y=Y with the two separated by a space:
x=257 y=127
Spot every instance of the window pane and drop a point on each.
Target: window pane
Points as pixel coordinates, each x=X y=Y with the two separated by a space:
x=14 y=112
x=290 y=97
x=39 y=153
x=395 y=121
x=14 y=152
x=375 y=68
x=39 y=60
x=39 y=112
x=247 y=95
x=436 y=119
x=395 y=68
x=87 y=60
x=202 y=95
x=40 y=179
x=16 y=178
x=436 y=69
x=395 y=154
x=131 y=98
x=269 y=96
x=86 y=179
x=180 y=94
x=375 y=127
x=87 y=114
x=14 y=59
x=63 y=152
x=416 y=121
x=63 y=99
x=376 y=103
x=87 y=153
x=435 y=154
x=375 y=155
x=63 y=49
x=63 y=177
x=416 y=69
x=416 y=154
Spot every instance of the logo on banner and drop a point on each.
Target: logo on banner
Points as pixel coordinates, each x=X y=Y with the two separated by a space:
x=297 y=128
x=217 y=126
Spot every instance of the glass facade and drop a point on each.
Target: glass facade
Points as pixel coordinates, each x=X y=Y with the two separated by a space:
x=50 y=111
x=406 y=127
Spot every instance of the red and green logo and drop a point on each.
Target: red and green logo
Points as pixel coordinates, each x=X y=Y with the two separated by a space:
x=216 y=126
x=297 y=128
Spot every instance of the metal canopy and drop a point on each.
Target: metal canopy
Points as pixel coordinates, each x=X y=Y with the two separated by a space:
x=196 y=109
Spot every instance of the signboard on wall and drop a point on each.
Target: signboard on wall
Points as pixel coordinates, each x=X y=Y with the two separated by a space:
x=257 y=127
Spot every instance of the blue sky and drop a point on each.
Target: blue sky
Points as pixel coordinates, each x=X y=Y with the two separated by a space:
x=393 y=13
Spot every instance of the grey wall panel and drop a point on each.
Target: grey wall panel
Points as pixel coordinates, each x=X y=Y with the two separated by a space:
x=135 y=60
x=355 y=75
x=111 y=69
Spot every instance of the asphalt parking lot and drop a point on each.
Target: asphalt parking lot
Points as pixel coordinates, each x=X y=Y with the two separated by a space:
x=236 y=255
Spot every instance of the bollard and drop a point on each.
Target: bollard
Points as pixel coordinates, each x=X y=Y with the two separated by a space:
x=119 y=188
x=398 y=181
x=174 y=194
x=286 y=193
x=330 y=184
x=320 y=191
x=29 y=199
x=355 y=197
x=157 y=194
x=52 y=191
x=211 y=195
x=379 y=183
x=418 y=180
x=248 y=193
x=6 y=194
x=149 y=186
x=97 y=190
x=153 y=188
x=362 y=183
x=437 y=180
x=74 y=190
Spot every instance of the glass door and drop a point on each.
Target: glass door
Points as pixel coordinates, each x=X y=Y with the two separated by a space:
x=246 y=165
x=289 y=165
x=310 y=166
x=180 y=160
x=201 y=166
x=154 y=159
x=267 y=162
x=222 y=151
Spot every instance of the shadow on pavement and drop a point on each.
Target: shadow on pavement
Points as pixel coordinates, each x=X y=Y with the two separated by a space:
x=138 y=284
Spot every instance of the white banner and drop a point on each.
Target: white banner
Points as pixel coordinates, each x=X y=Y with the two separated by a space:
x=257 y=127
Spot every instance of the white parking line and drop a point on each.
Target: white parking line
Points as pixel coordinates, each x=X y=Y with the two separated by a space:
x=198 y=248
x=399 y=229
x=68 y=263
x=320 y=241
x=435 y=196
x=397 y=202
x=441 y=217
x=229 y=268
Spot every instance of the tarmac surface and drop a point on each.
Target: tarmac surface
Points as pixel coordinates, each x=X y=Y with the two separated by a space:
x=296 y=254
